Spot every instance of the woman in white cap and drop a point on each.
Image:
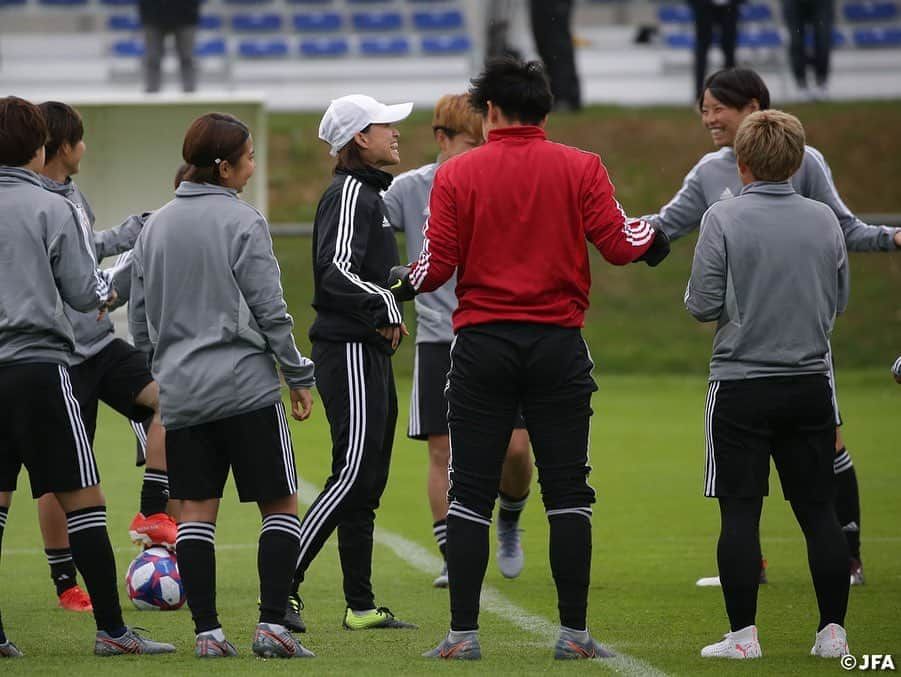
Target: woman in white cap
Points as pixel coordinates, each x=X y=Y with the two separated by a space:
x=358 y=327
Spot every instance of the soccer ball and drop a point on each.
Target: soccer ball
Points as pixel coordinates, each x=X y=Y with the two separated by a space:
x=153 y=582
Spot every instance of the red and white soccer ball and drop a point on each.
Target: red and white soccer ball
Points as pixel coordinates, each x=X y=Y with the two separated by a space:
x=153 y=582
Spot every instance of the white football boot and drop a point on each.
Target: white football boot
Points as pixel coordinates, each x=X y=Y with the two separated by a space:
x=740 y=644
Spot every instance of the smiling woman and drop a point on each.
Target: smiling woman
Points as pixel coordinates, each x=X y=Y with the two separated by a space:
x=358 y=327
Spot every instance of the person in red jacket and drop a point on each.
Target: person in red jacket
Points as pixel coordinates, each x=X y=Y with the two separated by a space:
x=512 y=217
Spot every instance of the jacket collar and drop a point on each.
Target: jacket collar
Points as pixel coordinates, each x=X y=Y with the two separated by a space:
x=191 y=189
x=517 y=132
x=369 y=175
x=769 y=188
x=64 y=188
x=19 y=175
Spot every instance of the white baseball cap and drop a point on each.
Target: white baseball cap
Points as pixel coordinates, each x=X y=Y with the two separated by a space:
x=353 y=113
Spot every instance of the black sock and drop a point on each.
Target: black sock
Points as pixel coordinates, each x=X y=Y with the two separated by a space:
x=94 y=558
x=467 y=559
x=739 y=559
x=62 y=569
x=511 y=508
x=4 y=512
x=827 y=556
x=570 y=553
x=276 y=561
x=196 y=549
x=439 y=529
x=847 y=500
x=154 y=491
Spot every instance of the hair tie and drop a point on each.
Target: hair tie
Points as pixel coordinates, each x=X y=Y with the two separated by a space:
x=217 y=161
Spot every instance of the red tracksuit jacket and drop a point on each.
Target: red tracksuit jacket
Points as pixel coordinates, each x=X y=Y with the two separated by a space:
x=513 y=217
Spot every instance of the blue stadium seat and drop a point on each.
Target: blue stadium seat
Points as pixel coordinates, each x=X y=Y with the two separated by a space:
x=754 y=12
x=324 y=47
x=318 y=21
x=870 y=11
x=128 y=48
x=377 y=21
x=765 y=38
x=445 y=44
x=877 y=37
x=246 y=2
x=310 y=2
x=123 y=22
x=675 y=14
x=211 y=48
x=257 y=22
x=11 y=3
x=679 y=40
x=210 y=22
x=263 y=49
x=64 y=3
x=119 y=3
x=385 y=46
x=368 y=2
x=441 y=21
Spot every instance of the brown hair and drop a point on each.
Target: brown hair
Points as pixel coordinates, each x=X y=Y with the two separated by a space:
x=23 y=131
x=63 y=123
x=180 y=175
x=350 y=157
x=211 y=139
x=454 y=115
x=771 y=144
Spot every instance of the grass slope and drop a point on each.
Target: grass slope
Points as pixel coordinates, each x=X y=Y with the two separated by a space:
x=654 y=535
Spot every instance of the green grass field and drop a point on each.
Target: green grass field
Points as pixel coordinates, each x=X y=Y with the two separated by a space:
x=654 y=534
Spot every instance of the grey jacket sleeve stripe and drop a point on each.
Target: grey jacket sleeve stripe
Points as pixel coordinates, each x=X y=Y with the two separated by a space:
x=349 y=193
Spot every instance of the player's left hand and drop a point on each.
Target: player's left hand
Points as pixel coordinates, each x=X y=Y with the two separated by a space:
x=658 y=250
x=399 y=284
x=301 y=403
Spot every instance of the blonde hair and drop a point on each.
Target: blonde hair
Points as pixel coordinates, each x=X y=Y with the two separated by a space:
x=770 y=143
x=455 y=115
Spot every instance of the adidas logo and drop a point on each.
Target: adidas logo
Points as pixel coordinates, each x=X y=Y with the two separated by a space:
x=851 y=526
x=726 y=194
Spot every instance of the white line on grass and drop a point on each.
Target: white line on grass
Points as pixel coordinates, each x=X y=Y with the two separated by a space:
x=492 y=601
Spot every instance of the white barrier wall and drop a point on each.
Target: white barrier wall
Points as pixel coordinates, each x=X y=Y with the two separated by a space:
x=134 y=148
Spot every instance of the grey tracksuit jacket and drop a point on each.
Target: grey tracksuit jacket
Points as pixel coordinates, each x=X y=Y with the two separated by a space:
x=46 y=263
x=771 y=268
x=407 y=204
x=207 y=300
x=91 y=335
x=715 y=178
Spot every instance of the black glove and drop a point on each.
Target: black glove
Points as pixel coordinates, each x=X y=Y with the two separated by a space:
x=399 y=284
x=658 y=250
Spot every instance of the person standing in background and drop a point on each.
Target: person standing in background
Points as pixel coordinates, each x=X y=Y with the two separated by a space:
x=160 y=18
x=818 y=15
x=710 y=13
x=554 y=41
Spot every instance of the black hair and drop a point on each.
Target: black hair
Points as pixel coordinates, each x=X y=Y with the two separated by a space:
x=736 y=88
x=64 y=124
x=23 y=131
x=520 y=89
